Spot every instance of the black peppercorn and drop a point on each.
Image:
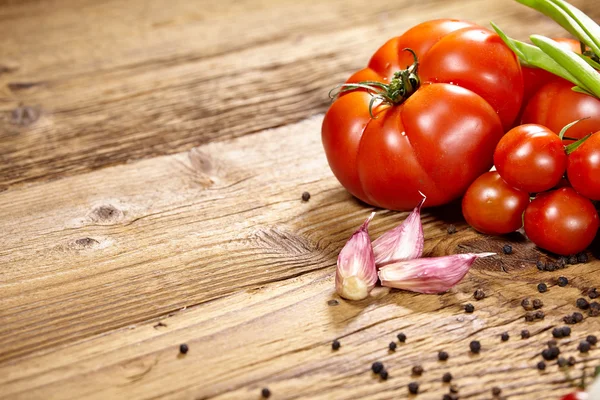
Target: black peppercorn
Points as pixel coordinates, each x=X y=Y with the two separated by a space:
x=183 y=348
x=551 y=266
x=469 y=308
x=525 y=334
x=537 y=304
x=451 y=229
x=401 y=337
x=504 y=336
x=557 y=333
x=417 y=370
x=265 y=393
x=584 y=346
x=447 y=377
x=475 y=346
x=496 y=391
x=539 y=314
x=526 y=304
x=571 y=361
x=413 y=388
x=593 y=293
x=305 y=196
x=529 y=316
x=577 y=316
x=392 y=346
x=335 y=345
x=562 y=261
x=594 y=309
x=376 y=367
x=541 y=365
x=566 y=331
x=592 y=339
x=540 y=265
x=582 y=303
x=552 y=343
x=507 y=249
x=561 y=362
x=568 y=319
x=446 y=397
x=572 y=260
x=563 y=281
x=582 y=257
x=442 y=356
x=384 y=375
x=541 y=287
x=479 y=294
x=550 y=353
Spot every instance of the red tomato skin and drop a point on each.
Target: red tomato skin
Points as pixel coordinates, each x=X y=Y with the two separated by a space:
x=535 y=78
x=492 y=206
x=531 y=158
x=341 y=132
x=391 y=57
x=477 y=59
x=562 y=221
x=556 y=105
x=421 y=145
x=583 y=168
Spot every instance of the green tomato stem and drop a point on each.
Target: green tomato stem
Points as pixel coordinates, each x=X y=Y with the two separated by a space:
x=573 y=146
x=566 y=127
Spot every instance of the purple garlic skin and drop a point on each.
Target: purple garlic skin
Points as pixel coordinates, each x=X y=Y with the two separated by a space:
x=356 y=274
x=404 y=242
x=428 y=275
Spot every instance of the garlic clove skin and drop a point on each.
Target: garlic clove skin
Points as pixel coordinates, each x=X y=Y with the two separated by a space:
x=428 y=275
x=404 y=242
x=356 y=274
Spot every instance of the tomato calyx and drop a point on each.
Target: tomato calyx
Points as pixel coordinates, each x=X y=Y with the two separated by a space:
x=573 y=146
x=401 y=87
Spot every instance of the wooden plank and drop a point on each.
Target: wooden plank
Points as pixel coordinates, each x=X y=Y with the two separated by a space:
x=91 y=84
x=279 y=336
x=138 y=242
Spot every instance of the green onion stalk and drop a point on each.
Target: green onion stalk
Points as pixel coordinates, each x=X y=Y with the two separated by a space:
x=545 y=53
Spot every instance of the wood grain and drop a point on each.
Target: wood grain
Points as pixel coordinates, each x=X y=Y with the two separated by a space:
x=113 y=81
x=129 y=251
x=150 y=205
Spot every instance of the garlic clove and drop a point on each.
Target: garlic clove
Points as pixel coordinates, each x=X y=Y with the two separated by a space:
x=404 y=242
x=428 y=275
x=356 y=274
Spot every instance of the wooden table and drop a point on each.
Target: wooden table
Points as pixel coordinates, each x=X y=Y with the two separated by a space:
x=153 y=156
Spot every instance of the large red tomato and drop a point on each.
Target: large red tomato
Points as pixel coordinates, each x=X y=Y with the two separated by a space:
x=441 y=135
x=555 y=105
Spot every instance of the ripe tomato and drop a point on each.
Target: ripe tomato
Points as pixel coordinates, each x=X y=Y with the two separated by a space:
x=440 y=138
x=492 y=206
x=583 y=168
x=535 y=78
x=556 y=105
x=561 y=221
x=531 y=158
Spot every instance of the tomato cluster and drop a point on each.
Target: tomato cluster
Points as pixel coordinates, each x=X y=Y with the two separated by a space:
x=424 y=116
x=532 y=160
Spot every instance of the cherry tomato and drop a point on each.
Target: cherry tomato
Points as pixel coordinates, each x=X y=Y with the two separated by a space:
x=439 y=139
x=556 y=105
x=561 y=221
x=492 y=206
x=535 y=78
x=583 y=168
x=531 y=158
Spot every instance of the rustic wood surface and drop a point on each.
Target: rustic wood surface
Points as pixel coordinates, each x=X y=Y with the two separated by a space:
x=152 y=159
